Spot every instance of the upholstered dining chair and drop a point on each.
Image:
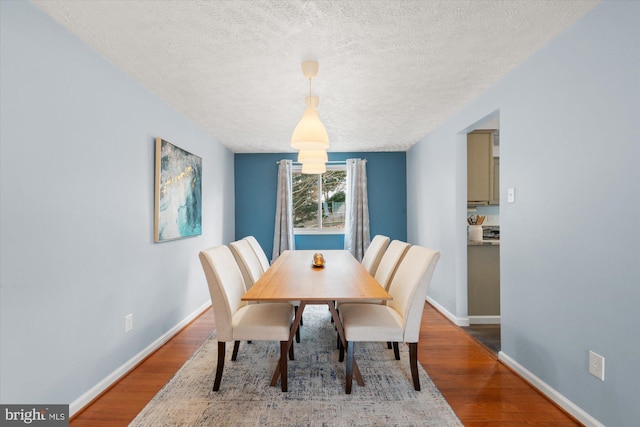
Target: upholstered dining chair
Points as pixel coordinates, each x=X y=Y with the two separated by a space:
x=251 y=270
x=264 y=264
x=374 y=252
x=247 y=261
x=398 y=320
x=264 y=261
x=238 y=321
x=384 y=273
x=389 y=262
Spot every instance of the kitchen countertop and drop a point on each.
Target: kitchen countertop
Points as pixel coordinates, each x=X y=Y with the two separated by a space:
x=484 y=243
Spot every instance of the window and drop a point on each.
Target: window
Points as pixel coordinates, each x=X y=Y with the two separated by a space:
x=319 y=200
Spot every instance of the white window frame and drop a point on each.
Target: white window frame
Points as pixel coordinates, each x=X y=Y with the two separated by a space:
x=297 y=168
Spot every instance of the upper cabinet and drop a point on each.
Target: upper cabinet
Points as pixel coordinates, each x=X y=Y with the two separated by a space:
x=482 y=169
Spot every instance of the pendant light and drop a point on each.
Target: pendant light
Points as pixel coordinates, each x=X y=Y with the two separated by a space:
x=314 y=168
x=313 y=155
x=309 y=133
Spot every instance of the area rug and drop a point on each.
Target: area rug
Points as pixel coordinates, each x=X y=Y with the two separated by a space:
x=316 y=387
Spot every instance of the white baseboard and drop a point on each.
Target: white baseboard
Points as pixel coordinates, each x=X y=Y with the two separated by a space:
x=460 y=321
x=573 y=409
x=484 y=320
x=116 y=375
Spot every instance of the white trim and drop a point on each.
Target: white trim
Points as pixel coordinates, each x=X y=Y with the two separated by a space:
x=460 y=321
x=316 y=231
x=116 y=375
x=573 y=409
x=484 y=320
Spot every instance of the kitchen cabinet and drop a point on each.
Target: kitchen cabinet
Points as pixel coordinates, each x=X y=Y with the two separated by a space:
x=482 y=186
x=495 y=194
x=483 y=280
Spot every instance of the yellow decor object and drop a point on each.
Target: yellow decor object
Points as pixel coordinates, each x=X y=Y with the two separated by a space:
x=318 y=259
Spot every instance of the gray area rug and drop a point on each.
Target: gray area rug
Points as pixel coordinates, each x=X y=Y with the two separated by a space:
x=316 y=387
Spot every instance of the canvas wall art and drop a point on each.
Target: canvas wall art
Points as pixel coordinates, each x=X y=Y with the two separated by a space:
x=178 y=193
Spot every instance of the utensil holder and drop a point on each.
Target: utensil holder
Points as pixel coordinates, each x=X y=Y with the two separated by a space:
x=475 y=233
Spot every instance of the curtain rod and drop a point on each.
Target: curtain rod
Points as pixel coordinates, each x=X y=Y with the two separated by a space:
x=330 y=162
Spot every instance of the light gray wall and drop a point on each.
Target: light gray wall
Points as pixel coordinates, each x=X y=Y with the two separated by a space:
x=570 y=146
x=77 y=176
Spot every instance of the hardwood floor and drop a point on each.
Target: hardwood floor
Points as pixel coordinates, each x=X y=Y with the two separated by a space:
x=480 y=389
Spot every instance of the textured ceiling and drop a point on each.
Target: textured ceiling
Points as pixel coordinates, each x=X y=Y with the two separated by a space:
x=390 y=71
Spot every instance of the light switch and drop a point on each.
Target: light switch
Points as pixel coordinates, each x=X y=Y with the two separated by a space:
x=511 y=195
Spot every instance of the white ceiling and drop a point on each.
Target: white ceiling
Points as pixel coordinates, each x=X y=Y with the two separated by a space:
x=390 y=71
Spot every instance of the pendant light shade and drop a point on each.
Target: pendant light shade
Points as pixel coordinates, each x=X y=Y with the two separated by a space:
x=314 y=168
x=309 y=133
x=312 y=155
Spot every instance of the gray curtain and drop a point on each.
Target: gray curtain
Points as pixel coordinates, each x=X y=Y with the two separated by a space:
x=356 y=233
x=283 y=234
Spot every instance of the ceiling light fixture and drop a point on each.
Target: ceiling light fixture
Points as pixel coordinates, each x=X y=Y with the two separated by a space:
x=313 y=156
x=314 y=168
x=310 y=134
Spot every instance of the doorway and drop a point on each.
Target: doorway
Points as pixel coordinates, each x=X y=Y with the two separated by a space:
x=483 y=243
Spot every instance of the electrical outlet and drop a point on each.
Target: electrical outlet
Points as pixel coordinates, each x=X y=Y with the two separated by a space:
x=596 y=365
x=128 y=322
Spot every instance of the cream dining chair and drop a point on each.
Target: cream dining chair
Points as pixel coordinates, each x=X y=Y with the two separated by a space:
x=247 y=261
x=264 y=261
x=374 y=252
x=389 y=262
x=398 y=320
x=384 y=273
x=238 y=321
x=251 y=270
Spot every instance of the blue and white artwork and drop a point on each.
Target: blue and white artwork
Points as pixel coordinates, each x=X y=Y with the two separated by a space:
x=178 y=210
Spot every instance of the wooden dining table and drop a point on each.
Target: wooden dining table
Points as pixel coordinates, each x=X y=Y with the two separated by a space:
x=293 y=277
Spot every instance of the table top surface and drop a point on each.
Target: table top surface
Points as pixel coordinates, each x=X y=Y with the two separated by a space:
x=292 y=277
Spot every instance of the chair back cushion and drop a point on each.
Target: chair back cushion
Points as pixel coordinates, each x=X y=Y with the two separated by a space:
x=264 y=261
x=247 y=261
x=409 y=288
x=390 y=261
x=374 y=253
x=226 y=287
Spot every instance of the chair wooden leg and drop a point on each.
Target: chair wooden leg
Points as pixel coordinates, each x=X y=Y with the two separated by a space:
x=396 y=350
x=291 y=355
x=234 y=355
x=295 y=310
x=413 y=363
x=389 y=345
x=347 y=387
x=283 y=364
x=221 y=353
x=341 y=348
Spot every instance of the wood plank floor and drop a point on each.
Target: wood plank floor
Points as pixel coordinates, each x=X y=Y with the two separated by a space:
x=480 y=389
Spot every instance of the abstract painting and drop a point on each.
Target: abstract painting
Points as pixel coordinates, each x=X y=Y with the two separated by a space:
x=178 y=193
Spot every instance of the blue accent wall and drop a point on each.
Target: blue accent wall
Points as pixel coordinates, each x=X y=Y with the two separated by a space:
x=255 y=195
